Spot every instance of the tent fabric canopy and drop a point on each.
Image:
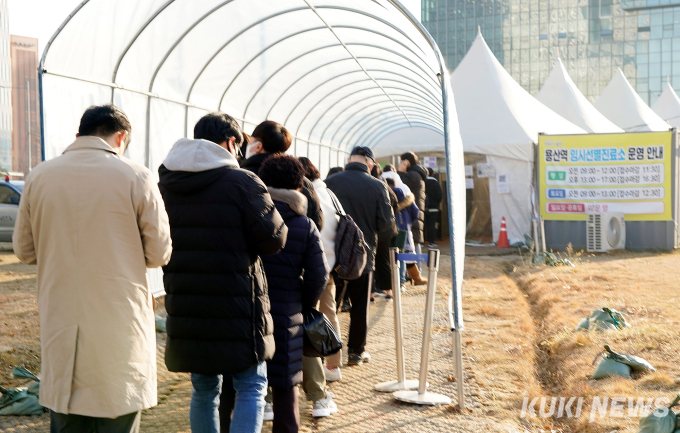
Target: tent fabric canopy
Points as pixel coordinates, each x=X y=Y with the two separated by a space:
x=496 y=115
x=668 y=106
x=335 y=73
x=560 y=94
x=621 y=104
x=413 y=139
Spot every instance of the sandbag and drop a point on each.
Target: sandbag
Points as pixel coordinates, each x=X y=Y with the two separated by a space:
x=583 y=324
x=28 y=404
x=604 y=319
x=161 y=323
x=656 y=423
x=608 y=367
x=634 y=362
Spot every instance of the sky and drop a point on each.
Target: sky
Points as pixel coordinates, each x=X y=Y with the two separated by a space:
x=41 y=18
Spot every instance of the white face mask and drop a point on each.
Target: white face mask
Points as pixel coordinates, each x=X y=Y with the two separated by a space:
x=250 y=147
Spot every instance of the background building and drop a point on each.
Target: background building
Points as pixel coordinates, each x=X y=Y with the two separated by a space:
x=5 y=90
x=25 y=94
x=592 y=37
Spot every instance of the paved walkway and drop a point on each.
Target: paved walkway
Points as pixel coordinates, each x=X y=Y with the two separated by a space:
x=360 y=408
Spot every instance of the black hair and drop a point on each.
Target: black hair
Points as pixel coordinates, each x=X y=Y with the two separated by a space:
x=103 y=121
x=311 y=172
x=273 y=136
x=430 y=172
x=391 y=182
x=376 y=171
x=334 y=170
x=218 y=127
x=411 y=157
x=282 y=171
x=390 y=167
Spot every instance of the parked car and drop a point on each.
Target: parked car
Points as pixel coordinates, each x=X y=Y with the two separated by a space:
x=10 y=194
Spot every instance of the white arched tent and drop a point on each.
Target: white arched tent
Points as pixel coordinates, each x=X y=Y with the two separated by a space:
x=501 y=120
x=668 y=106
x=621 y=104
x=336 y=73
x=560 y=94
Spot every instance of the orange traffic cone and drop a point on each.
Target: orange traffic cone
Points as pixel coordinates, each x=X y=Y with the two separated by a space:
x=503 y=236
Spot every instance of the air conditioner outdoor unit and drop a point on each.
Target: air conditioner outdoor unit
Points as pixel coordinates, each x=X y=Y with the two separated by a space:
x=605 y=232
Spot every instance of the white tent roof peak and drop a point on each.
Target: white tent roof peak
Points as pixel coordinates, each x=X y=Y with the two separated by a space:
x=496 y=115
x=668 y=106
x=560 y=94
x=622 y=105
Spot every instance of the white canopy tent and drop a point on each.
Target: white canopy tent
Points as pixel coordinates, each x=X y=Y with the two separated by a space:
x=415 y=139
x=621 y=104
x=499 y=119
x=560 y=94
x=668 y=106
x=336 y=73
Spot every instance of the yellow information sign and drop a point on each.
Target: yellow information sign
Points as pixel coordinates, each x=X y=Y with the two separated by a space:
x=628 y=173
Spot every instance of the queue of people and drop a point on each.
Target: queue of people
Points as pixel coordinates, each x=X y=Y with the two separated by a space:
x=246 y=236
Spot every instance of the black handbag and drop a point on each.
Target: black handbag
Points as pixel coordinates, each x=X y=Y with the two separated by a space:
x=320 y=337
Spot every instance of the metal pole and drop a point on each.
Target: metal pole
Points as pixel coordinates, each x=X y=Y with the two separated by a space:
x=401 y=383
x=545 y=250
x=28 y=121
x=422 y=396
x=458 y=356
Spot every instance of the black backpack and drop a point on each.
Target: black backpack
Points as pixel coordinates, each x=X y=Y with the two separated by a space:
x=351 y=251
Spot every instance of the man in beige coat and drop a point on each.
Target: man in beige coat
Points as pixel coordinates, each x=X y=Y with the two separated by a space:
x=93 y=221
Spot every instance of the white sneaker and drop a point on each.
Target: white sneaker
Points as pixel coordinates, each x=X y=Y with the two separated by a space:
x=325 y=407
x=403 y=288
x=365 y=356
x=332 y=374
x=268 y=412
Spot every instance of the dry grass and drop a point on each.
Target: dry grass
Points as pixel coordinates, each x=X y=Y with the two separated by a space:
x=498 y=340
x=644 y=286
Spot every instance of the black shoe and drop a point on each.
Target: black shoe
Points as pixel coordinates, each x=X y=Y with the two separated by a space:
x=372 y=300
x=354 y=359
x=388 y=298
x=346 y=307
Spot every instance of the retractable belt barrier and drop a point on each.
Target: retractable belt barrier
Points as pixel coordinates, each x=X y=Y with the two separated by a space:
x=422 y=396
x=413 y=391
x=401 y=383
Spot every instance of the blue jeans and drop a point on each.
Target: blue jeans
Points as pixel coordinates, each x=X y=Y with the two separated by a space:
x=250 y=386
x=402 y=271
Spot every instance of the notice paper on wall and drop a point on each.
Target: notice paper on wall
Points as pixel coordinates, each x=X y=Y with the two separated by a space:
x=485 y=170
x=468 y=171
x=502 y=184
x=469 y=183
x=430 y=162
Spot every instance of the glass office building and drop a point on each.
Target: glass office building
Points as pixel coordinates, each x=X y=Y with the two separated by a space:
x=592 y=37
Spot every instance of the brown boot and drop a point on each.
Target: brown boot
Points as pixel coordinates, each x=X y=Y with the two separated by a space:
x=416 y=279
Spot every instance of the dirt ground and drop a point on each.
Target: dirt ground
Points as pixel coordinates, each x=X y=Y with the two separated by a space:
x=518 y=342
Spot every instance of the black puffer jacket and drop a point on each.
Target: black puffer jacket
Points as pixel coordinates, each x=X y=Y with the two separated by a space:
x=314 y=211
x=433 y=193
x=296 y=278
x=367 y=201
x=414 y=178
x=221 y=219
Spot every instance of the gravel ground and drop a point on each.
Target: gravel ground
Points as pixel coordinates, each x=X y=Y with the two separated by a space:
x=361 y=409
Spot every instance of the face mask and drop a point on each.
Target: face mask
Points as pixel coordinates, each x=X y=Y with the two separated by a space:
x=250 y=147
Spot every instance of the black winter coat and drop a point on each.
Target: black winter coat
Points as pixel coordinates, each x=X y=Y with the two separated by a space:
x=313 y=204
x=367 y=201
x=414 y=178
x=433 y=193
x=296 y=277
x=221 y=220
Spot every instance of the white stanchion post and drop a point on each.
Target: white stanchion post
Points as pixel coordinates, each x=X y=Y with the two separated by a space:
x=422 y=396
x=401 y=383
x=458 y=356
